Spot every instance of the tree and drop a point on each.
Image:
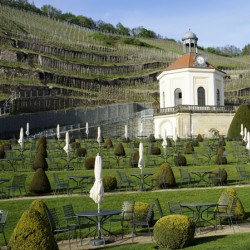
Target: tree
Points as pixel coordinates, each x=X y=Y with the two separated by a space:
x=86 y=22
x=122 y=30
x=246 y=50
x=105 y=27
x=51 y=11
x=142 y=32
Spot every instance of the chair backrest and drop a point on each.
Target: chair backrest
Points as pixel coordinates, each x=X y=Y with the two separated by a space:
x=234 y=205
x=128 y=210
x=184 y=173
x=68 y=211
x=53 y=219
x=150 y=212
x=122 y=176
x=3 y=217
x=56 y=178
x=157 y=202
x=16 y=180
x=22 y=179
x=223 y=200
x=174 y=207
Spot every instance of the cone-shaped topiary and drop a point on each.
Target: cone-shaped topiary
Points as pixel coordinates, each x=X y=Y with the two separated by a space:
x=180 y=160
x=240 y=212
x=75 y=145
x=42 y=150
x=167 y=180
x=40 y=183
x=108 y=143
x=119 y=150
x=151 y=138
x=40 y=162
x=41 y=140
x=90 y=162
x=220 y=157
x=199 y=138
x=174 y=231
x=195 y=143
x=134 y=159
x=32 y=232
x=41 y=207
x=222 y=173
x=189 y=148
x=109 y=183
x=155 y=151
x=242 y=116
x=2 y=152
x=81 y=152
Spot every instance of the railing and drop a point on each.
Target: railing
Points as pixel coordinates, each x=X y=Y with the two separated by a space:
x=195 y=109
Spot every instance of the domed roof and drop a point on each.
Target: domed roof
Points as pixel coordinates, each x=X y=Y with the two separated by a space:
x=189 y=35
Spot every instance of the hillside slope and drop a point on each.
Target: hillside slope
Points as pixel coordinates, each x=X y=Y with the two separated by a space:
x=46 y=64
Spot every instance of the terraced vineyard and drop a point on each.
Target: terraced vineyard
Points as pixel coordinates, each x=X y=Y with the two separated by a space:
x=47 y=64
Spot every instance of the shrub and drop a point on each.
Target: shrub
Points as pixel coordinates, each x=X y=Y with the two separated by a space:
x=135 y=159
x=222 y=141
x=125 y=140
x=155 y=151
x=75 y=145
x=40 y=183
x=151 y=138
x=41 y=207
x=109 y=183
x=90 y=162
x=81 y=152
x=220 y=157
x=222 y=173
x=2 y=153
x=180 y=160
x=169 y=142
x=40 y=162
x=195 y=143
x=240 y=212
x=174 y=231
x=189 y=148
x=242 y=116
x=7 y=146
x=32 y=231
x=108 y=143
x=119 y=150
x=42 y=150
x=199 y=138
x=140 y=209
x=169 y=179
x=41 y=140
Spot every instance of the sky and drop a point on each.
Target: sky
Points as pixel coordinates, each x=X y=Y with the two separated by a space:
x=216 y=23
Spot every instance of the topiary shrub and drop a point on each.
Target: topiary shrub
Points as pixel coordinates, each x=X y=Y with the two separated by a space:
x=136 y=144
x=180 y=160
x=242 y=116
x=140 y=209
x=41 y=207
x=165 y=176
x=75 y=145
x=199 y=138
x=155 y=151
x=174 y=231
x=240 y=212
x=40 y=183
x=81 y=152
x=2 y=152
x=108 y=143
x=195 y=143
x=41 y=140
x=169 y=142
x=222 y=141
x=90 y=162
x=126 y=140
x=40 y=162
x=109 y=183
x=220 y=157
x=119 y=150
x=151 y=138
x=189 y=148
x=42 y=150
x=222 y=173
x=32 y=232
x=134 y=159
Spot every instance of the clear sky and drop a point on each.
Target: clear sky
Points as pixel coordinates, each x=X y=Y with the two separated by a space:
x=215 y=22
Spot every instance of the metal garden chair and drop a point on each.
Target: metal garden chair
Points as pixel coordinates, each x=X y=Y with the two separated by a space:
x=60 y=184
x=243 y=174
x=3 y=218
x=124 y=181
x=18 y=183
x=185 y=177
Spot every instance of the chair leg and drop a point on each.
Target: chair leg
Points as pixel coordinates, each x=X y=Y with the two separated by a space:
x=4 y=238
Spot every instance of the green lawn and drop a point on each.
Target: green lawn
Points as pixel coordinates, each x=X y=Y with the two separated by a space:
x=114 y=199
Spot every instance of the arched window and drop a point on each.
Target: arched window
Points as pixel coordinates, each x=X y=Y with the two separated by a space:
x=201 y=96
x=177 y=97
x=218 y=97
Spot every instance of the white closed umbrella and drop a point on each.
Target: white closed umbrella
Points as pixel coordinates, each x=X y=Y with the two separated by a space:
x=241 y=130
x=174 y=134
x=67 y=147
x=58 y=131
x=245 y=135
x=97 y=191
x=27 y=129
x=87 y=129
x=141 y=163
x=21 y=138
x=141 y=129
x=248 y=141
x=126 y=132
x=164 y=145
